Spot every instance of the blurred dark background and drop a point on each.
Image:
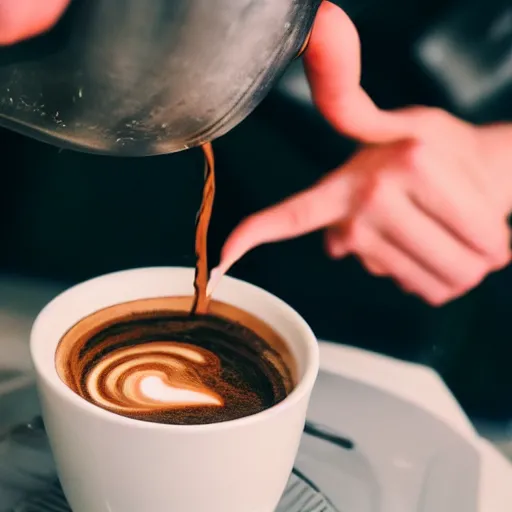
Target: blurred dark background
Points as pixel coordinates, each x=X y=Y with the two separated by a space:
x=68 y=216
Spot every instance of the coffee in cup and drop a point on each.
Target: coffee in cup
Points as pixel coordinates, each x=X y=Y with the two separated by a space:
x=151 y=360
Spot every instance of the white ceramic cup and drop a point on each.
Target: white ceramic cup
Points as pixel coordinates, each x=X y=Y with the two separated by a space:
x=110 y=463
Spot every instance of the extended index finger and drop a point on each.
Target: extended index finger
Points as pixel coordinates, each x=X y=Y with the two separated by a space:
x=321 y=205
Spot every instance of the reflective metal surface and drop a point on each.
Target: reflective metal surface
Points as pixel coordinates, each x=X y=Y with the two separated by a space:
x=127 y=77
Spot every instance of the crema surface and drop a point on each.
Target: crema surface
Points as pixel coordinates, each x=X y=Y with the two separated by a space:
x=153 y=361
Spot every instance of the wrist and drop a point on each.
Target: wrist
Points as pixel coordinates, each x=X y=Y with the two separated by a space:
x=497 y=152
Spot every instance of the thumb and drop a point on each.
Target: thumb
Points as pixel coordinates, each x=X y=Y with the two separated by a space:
x=21 y=19
x=321 y=205
x=333 y=67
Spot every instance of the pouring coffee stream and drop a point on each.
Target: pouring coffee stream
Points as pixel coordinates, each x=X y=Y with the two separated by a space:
x=201 y=278
x=204 y=284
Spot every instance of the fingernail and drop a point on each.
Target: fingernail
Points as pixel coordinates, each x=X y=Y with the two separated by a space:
x=215 y=277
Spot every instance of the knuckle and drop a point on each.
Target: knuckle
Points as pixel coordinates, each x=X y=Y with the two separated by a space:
x=429 y=123
x=500 y=259
x=439 y=297
x=436 y=301
x=407 y=283
x=476 y=277
x=472 y=279
x=373 y=266
x=380 y=184
x=435 y=294
x=379 y=193
x=429 y=118
x=355 y=236
x=436 y=116
x=415 y=157
x=413 y=110
x=297 y=216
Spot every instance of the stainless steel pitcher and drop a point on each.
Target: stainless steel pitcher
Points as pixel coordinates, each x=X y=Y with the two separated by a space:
x=145 y=77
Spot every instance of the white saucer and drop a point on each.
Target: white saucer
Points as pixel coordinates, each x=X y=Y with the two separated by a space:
x=417 y=451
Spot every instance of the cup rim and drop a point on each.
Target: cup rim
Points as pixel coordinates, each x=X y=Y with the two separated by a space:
x=51 y=378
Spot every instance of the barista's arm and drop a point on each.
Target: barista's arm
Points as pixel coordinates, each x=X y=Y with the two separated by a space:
x=22 y=19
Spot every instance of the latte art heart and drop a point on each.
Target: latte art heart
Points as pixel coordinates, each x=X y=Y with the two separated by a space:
x=151 y=360
x=154 y=376
x=155 y=388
